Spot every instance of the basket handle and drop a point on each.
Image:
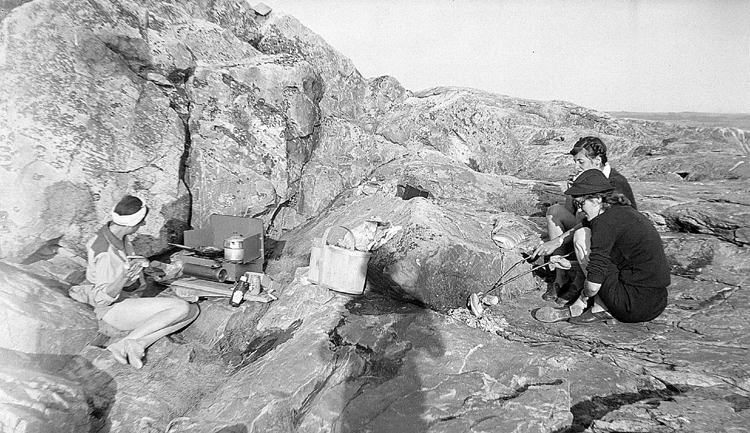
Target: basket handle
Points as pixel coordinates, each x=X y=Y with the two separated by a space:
x=324 y=239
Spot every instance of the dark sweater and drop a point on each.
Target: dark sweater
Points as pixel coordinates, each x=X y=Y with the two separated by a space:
x=621 y=185
x=624 y=238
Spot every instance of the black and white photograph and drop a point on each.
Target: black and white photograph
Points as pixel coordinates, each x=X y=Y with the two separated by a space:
x=374 y=216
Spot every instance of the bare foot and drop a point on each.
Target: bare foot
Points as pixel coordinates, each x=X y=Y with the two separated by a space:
x=118 y=351
x=135 y=353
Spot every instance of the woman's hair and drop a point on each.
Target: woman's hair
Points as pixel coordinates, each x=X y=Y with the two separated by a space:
x=128 y=205
x=610 y=198
x=129 y=212
x=593 y=146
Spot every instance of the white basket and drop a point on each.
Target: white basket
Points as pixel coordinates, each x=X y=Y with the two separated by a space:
x=336 y=268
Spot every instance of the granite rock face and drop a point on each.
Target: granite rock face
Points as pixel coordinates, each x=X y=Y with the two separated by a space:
x=443 y=252
x=233 y=111
x=83 y=125
x=242 y=117
x=42 y=392
x=39 y=317
x=316 y=360
x=531 y=139
x=375 y=364
x=204 y=107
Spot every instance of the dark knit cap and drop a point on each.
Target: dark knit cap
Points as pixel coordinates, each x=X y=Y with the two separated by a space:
x=591 y=181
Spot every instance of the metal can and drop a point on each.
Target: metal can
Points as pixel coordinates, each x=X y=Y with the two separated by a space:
x=254 y=282
x=234 y=250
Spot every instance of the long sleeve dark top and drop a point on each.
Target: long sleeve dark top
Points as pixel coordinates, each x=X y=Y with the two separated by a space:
x=624 y=238
x=621 y=185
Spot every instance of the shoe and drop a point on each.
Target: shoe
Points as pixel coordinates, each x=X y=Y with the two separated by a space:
x=551 y=293
x=588 y=318
x=551 y=314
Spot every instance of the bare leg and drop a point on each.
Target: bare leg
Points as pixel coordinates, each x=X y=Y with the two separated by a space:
x=582 y=246
x=149 y=319
x=560 y=220
x=151 y=337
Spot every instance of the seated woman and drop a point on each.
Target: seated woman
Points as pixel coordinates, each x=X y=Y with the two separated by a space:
x=626 y=270
x=564 y=220
x=110 y=270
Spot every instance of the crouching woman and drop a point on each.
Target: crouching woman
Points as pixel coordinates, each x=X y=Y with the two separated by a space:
x=109 y=271
x=626 y=269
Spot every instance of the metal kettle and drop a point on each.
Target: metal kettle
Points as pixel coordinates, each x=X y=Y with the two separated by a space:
x=234 y=248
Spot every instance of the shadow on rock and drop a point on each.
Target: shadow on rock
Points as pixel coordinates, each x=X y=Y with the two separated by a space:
x=261 y=345
x=588 y=411
x=62 y=392
x=386 y=393
x=237 y=428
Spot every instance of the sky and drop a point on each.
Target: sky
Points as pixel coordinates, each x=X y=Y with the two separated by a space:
x=608 y=55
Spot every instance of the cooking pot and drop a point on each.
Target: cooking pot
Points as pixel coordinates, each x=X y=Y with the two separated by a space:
x=234 y=250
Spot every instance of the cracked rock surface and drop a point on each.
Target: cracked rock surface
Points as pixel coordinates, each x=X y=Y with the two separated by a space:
x=203 y=106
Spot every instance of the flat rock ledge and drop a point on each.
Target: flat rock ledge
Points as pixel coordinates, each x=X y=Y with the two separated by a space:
x=316 y=360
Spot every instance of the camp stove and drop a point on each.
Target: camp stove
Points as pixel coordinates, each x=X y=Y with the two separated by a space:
x=225 y=250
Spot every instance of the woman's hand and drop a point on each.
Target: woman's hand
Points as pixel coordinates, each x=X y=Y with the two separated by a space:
x=132 y=271
x=547 y=248
x=559 y=262
x=134 y=266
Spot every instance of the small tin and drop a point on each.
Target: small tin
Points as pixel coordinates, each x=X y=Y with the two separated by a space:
x=254 y=281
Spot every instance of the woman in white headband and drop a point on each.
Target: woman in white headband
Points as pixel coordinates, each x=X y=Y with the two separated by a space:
x=110 y=270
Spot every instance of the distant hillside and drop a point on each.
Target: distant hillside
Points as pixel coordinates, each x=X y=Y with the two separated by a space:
x=741 y=121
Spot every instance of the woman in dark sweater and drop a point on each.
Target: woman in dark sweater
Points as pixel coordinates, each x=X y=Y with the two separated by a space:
x=626 y=270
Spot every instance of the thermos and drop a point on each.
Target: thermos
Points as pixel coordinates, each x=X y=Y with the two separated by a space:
x=215 y=273
x=238 y=293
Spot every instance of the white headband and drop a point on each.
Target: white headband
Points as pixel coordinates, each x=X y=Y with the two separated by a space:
x=129 y=220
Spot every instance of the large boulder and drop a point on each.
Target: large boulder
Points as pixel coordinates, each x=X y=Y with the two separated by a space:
x=729 y=221
x=39 y=317
x=444 y=251
x=708 y=257
x=81 y=126
x=345 y=88
x=237 y=16
x=243 y=118
x=347 y=93
x=44 y=392
x=345 y=155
